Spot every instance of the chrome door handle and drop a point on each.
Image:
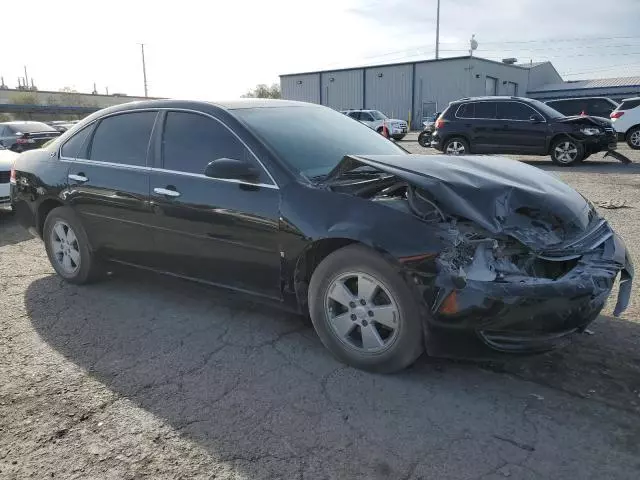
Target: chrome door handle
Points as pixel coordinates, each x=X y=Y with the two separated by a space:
x=78 y=178
x=167 y=192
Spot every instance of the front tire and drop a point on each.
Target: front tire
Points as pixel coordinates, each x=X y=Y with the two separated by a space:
x=67 y=247
x=364 y=312
x=567 y=152
x=456 y=146
x=633 y=138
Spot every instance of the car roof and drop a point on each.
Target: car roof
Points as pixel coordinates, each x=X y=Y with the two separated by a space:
x=20 y=122
x=578 y=98
x=498 y=98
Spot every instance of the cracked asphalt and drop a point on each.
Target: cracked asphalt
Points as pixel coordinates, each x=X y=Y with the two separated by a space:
x=148 y=377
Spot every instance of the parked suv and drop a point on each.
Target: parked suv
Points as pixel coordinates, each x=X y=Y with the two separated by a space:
x=594 y=106
x=626 y=121
x=375 y=119
x=520 y=126
x=21 y=136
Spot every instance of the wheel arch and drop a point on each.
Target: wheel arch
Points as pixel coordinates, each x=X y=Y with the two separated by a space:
x=44 y=208
x=463 y=136
x=555 y=138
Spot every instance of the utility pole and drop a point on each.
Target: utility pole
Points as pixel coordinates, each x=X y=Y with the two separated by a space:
x=438 y=32
x=26 y=78
x=144 y=71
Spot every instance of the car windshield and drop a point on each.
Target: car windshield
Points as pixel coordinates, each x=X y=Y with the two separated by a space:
x=32 y=127
x=313 y=140
x=378 y=115
x=546 y=109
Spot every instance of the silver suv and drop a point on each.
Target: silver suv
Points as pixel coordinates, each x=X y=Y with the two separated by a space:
x=375 y=120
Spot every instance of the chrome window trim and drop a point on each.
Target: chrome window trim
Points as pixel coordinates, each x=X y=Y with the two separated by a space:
x=199 y=175
x=171 y=109
x=121 y=166
x=544 y=119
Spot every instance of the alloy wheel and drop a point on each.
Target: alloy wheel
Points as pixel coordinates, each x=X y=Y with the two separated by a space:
x=362 y=313
x=566 y=152
x=65 y=248
x=455 y=148
x=635 y=138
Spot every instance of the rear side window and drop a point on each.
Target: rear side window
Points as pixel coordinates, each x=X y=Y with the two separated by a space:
x=355 y=115
x=191 y=141
x=514 y=111
x=486 y=110
x=76 y=146
x=629 y=104
x=466 y=110
x=123 y=138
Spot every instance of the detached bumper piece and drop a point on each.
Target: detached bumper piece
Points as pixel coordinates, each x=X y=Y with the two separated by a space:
x=532 y=314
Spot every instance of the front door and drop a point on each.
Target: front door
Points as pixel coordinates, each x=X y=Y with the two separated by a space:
x=221 y=231
x=516 y=130
x=108 y=183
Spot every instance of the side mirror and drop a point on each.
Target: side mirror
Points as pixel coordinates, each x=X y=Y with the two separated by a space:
x=535 y=118
x=232 y=169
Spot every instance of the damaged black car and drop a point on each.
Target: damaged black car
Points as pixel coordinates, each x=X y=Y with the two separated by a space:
x=390 y=254
x=523 y=126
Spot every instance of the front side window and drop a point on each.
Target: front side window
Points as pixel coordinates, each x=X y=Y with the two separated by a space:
x=76 y=146
x=514 y=111
x=599 y=107
x=491 y=86
x=191 y=141
x=377 y=115
x=123 y=138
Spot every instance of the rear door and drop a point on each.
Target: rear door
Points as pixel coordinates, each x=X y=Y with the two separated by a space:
x=516 y=132
x=109 y=183
x=223 y=231
x=478 y=119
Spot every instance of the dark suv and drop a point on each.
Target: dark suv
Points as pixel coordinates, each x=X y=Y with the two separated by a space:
x=520 y=126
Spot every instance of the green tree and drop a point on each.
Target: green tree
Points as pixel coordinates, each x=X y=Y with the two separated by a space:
x=264 y=91
x=25 y=98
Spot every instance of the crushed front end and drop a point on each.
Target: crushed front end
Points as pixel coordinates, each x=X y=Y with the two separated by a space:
x=524 y=261
x=518 y=299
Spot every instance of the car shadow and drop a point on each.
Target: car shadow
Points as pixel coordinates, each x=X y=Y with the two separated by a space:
x=10 y=231
x=248 y=382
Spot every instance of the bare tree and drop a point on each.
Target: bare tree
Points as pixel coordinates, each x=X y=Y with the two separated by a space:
x=264 y=91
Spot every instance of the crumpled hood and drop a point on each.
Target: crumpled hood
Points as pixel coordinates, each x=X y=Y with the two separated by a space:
x=586 y=119
x=501 y=195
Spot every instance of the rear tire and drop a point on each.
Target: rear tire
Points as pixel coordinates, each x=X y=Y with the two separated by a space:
x=633 y=138
x=68 y=247
x=375 y=324
x=567 y=152
x=424 y=139
x=456 y=146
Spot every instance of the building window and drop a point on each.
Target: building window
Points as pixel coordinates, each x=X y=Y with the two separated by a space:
x=491 y=86
x=511 y=89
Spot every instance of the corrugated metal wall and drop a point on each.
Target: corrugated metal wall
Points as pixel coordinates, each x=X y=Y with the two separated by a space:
x=342 y=90
x=388 y=89
x=391 y=88
x=304 y=88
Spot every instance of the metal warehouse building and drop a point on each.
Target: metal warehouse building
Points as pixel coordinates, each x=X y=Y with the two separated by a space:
x=415 y=90
x=614 y=88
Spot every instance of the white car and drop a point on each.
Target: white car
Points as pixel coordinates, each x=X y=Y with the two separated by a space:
x=6 y=162
x=375 y=120
x=626 y=121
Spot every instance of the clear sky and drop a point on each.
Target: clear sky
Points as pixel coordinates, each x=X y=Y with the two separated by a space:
x=219 y=49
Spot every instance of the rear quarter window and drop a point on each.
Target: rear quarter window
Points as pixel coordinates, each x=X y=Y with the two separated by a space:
x=629 y=104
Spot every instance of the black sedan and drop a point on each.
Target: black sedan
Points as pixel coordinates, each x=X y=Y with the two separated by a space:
x=388 y=252
x=26 y=135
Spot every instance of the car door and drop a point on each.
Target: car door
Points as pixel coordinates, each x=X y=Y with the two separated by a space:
x=479 y=122
x=108 y=183
x=520 y=129
x=220 y=230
